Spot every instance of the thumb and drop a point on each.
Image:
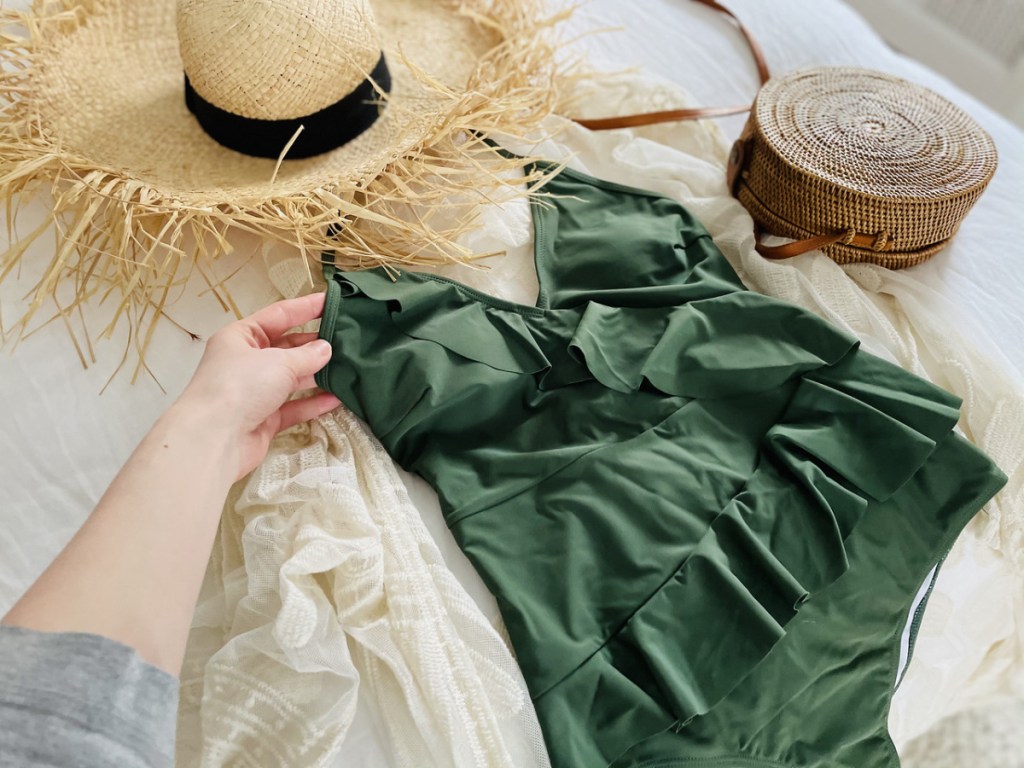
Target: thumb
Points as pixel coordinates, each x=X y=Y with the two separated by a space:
x=307 y=359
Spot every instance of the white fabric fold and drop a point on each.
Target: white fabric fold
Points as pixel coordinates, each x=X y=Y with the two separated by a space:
x=326 y=589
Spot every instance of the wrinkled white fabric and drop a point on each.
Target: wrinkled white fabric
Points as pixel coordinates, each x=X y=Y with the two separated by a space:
x=326 y=592
x=989 y=737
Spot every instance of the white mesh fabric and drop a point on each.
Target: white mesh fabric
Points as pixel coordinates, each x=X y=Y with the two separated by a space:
x=325 y=580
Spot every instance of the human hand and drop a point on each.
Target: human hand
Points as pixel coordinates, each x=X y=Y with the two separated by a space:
x=249 y=370
x=134 y=571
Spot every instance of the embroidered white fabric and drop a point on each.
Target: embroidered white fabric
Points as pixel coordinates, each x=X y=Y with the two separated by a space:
x=309 y=562
x=326 y=590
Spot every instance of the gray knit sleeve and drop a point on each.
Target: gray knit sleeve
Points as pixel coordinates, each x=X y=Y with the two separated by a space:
x=83 y=700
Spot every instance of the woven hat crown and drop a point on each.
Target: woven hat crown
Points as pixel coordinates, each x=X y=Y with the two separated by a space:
x=276 y=59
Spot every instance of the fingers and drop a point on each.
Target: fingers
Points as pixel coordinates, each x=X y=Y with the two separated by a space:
x=283 y=315
x=297 y=411
x=290 y=340
x=306 y=359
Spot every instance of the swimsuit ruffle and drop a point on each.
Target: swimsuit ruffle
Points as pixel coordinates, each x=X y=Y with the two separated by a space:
x=726 y=352
x=845 y=407
x=722 y=347
x=496 y=337
x=778 y=541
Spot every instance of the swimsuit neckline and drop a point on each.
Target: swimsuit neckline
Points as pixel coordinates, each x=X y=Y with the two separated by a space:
x=540 y=307
x=539 y=212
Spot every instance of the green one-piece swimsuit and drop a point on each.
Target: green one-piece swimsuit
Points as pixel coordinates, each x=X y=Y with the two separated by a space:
x=704 y=513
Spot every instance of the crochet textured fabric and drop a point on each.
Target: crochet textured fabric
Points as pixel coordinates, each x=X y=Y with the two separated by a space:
x=326 y=588
x=656 y=472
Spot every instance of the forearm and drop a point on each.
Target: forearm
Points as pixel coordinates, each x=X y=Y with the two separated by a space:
x=133 y=572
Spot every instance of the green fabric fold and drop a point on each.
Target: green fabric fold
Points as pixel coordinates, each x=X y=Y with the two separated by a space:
x=731 y=345
x=490 y=335
x=654 y=470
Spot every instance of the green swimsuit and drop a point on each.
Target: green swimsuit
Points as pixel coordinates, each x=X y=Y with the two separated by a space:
x=704 y=513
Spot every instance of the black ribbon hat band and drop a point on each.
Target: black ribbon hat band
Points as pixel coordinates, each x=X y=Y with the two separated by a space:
x=322 y=131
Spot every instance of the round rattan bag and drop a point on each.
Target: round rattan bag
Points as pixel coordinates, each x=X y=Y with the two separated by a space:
x=863 y=165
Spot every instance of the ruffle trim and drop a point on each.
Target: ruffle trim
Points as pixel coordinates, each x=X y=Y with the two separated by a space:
x=853 y=432
x=721 y=612
x=694 y=640
x=422 y=309
x=722 y=347
x=850 y=414
x=729 y=345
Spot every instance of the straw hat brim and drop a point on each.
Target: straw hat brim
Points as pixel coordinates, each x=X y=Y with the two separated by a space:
x=93 y=114
x=112 y=95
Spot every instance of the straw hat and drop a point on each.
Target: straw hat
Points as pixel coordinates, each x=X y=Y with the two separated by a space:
x=313 y=122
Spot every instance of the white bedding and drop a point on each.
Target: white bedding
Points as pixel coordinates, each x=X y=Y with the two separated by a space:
x=62 y=442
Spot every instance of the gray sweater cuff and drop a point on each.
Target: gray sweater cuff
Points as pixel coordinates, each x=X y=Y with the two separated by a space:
x=69 y=698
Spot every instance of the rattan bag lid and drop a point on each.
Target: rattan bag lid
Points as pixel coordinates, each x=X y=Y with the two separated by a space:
x=862 y=164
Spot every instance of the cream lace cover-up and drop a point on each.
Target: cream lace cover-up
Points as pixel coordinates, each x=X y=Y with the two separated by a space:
x=324 y=580
x=326 y=587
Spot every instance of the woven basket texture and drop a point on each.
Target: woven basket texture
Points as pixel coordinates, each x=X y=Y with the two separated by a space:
x=843 y=149
x=276 y=60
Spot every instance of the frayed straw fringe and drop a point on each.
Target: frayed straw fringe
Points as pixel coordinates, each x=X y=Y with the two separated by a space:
x=123 y=241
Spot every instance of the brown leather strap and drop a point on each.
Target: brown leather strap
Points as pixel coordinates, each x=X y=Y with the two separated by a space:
x=878 y=243
x=697 y=113
x=650 y=118
x=755 y=49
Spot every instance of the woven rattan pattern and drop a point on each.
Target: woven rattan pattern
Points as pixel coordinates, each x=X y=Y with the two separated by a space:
x=840 y=149
x=118 y=131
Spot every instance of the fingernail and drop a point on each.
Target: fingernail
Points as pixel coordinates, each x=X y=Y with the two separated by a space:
x=323 y=348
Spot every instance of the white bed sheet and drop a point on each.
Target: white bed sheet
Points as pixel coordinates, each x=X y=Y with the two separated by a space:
x=61 y=442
